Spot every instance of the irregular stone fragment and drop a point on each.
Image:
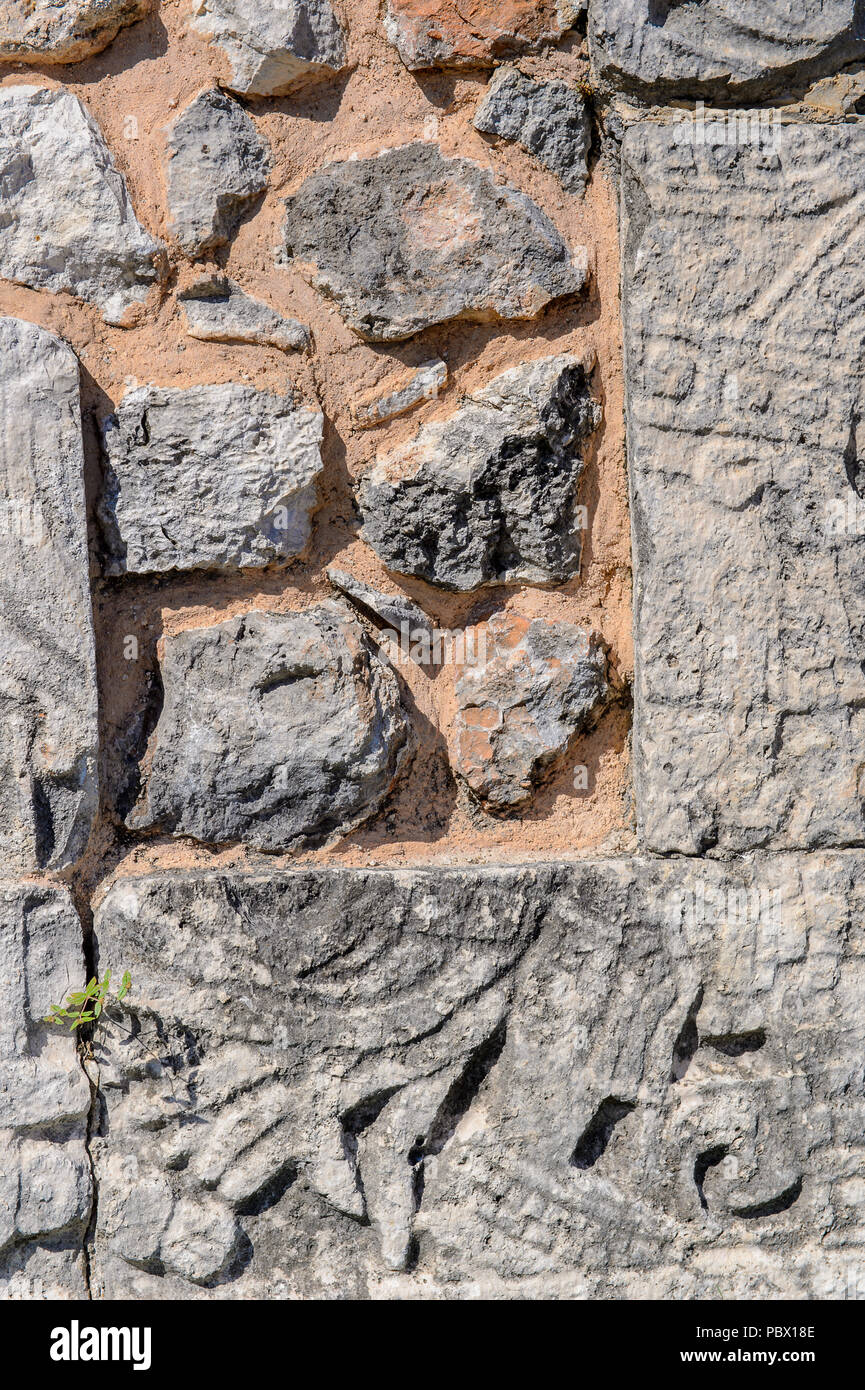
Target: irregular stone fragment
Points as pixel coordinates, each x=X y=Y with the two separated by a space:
x=549 y=119
x=489 y=496
x=273 y=48
x=218 y=311
x=277 y=729
x=218 y=163
x=43 y=31
x=614 y=1078
x=745 y=392
x=394 y=609
x=424 y=384
x=66 y=222
x=48 y=731
x=669 y=47
x=45 y=1187
x=447 y=34
x=409 y=239
x=520 y=703
x=210 y=477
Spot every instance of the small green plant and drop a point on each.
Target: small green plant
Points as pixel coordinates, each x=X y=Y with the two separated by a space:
x=86 y=1005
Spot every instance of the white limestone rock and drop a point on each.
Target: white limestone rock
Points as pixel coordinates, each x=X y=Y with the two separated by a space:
x=273 y=48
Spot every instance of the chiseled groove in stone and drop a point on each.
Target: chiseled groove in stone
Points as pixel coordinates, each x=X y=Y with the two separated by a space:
x=426 y=1049
x=745 y=388
x=49 y=735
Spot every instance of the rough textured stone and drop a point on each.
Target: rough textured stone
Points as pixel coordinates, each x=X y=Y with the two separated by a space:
x=745 y=392
x=549 y=119
x=274 y=48
x=393 y=609
x=218 y=163
x=614 y=1078
x=423 y=385
x=409 y=239
x=45 y=1187
x=489 y=496
x=65 y=218
x=724 y=47
x=218 y=311
x=211 y=477
x=443 y=33
x=519 y=708
x=45 y=31
x=277 y=728
x=48 y=739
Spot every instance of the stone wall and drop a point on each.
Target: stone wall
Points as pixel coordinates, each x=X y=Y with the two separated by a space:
x=477 y=949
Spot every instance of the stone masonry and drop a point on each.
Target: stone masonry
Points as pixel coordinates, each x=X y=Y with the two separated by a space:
x=432 y=637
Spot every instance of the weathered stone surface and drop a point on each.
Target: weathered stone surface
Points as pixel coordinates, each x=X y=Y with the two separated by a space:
x=48 y=739
x=273 y=48
x=613 y=1078
x=549 y=119
x=518 y=709
x=218 y=163
x=410 y=238
x=424 y=384
x=65 y=218
x=724 y=47
x=745 y=392
x=446 y=34
x=43 y=31
x=45 y=1187
x=218 y=311
x=210 y=477
x=393 y=609
x=489 y=496
x=277 y=729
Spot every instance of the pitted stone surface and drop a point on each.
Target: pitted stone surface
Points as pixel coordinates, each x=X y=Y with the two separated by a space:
x=521 y=703
x=273 y=48
x=45 y=1185
x=446 y=34
x=66 y=222
x=277 y=729
x=489 y=496
x=218 y=311
x=211 y=477
x=218 y=163
x=409 y=239
x=548 y=119
x=722 y=47
x=48 y=736
x=616 y=1078
x=45 y=31
x=746 y=387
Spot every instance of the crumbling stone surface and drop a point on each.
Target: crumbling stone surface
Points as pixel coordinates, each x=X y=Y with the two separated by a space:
x=443 y=33
x=549 y=119
x=277 y=729
x=66 y=222
x=45 y=1183
x=410 y=238
x=218 y=311
x=667 y=47
x=521 y=702
x=750 y=621
x=273 y=48
x=48 y=743
x=43 y=31
x=600 y=1082
x=210 y=477
x=489 y=496
x=218 y=163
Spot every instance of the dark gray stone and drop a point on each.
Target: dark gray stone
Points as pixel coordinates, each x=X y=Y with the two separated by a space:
x=409 y=239
x=548 y=119
x=218 y=163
